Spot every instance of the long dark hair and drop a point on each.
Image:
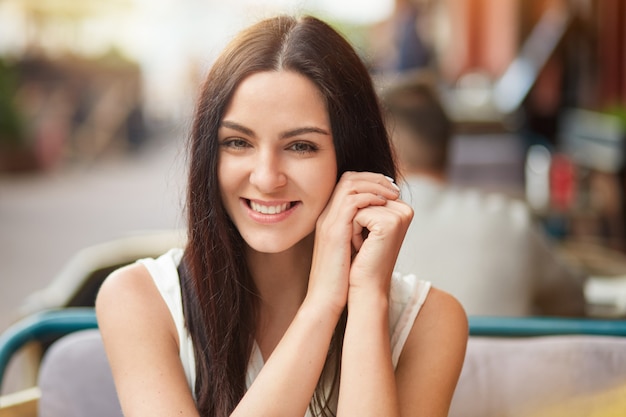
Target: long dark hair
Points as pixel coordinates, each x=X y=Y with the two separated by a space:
x=219 y=296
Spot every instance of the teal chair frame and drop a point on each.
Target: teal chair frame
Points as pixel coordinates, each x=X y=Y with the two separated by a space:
x=45 y=326
x=544 y=326
x=52 y=324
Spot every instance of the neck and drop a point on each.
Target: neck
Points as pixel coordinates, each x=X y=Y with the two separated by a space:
x=282 y=276
x=282 y=281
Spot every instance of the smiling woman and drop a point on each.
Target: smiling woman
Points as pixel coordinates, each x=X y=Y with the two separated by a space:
x=284 y=301
x=276 y=153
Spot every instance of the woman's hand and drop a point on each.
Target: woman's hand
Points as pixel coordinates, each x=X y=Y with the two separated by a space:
x=368 y=384
x=335 y=238
x=383 y=229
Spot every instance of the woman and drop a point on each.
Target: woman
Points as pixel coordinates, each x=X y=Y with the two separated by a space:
x=284 y=302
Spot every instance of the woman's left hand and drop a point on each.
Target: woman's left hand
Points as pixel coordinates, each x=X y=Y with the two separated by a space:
x=377 y=249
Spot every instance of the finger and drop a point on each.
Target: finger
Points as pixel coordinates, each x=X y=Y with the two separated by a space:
x=362 y=182
x=401 y=207
x=357 y=236
x=392 y=218
x=345 y=207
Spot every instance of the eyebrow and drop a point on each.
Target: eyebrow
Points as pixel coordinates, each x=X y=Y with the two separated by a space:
x=285 y=135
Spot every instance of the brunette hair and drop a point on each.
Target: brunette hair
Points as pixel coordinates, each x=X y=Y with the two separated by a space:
x=219 y=296
x=414 y=103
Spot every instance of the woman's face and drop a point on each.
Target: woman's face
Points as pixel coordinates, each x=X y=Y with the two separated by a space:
x=276 y=165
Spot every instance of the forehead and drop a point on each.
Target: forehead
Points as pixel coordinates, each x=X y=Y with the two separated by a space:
x=277 y=95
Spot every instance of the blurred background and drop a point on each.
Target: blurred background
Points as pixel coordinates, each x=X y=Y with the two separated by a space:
x=96 y=96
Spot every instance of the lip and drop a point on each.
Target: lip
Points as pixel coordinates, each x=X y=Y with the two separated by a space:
x=269 y=218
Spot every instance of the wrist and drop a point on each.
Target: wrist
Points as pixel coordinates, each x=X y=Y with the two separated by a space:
x=371 y=299
x=320 y=309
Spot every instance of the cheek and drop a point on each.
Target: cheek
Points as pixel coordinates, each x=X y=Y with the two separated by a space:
x=326 y=180
x=227 y=174
x=226 y=181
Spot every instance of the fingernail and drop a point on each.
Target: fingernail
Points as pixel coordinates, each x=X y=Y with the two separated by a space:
x=393 y=182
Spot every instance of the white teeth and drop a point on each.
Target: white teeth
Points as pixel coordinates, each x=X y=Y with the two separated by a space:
x=268 y=209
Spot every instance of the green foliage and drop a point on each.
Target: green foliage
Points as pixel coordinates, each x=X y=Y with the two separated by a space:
x=620 y=112
x=11 y=128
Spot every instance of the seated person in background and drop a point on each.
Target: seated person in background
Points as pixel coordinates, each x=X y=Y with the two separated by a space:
x=482 y=247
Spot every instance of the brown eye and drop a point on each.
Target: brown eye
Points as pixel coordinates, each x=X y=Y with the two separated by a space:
x=235 y=143
x=303 y=147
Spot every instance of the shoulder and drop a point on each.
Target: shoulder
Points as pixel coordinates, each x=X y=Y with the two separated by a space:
x=487 y=201
x=490 y=212
x=129 y=297
x=129 y=283
x=431 y=362
x=427 y=195
x=440 y=331
x=140 y=285
x=142 y=344
x=442 y=308
x=126 y=276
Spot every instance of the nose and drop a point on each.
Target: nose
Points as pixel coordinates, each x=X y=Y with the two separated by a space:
x=267 y=174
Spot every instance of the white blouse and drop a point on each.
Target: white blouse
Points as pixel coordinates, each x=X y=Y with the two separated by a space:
x=406 y=298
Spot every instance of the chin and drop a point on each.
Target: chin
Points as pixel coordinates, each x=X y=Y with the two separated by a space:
x=269 y=248
x=268 y=244
x=274 y=245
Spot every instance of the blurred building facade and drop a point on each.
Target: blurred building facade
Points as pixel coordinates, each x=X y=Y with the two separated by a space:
x=62 y=100
x=83 y=77
x=546 y=75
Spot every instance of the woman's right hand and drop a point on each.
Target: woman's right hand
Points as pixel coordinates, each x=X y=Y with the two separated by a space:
x=334 y=234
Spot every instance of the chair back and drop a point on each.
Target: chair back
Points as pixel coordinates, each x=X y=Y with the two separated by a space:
x=542 y=367
x=75 y=378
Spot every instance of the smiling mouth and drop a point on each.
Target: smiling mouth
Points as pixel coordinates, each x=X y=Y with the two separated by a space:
x=271 y=209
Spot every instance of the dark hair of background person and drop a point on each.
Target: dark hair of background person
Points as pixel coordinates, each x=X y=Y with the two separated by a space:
x=219 y=295
x=413 y=105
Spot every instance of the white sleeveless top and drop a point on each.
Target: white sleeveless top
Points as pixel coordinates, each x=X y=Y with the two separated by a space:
x=406 y=298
